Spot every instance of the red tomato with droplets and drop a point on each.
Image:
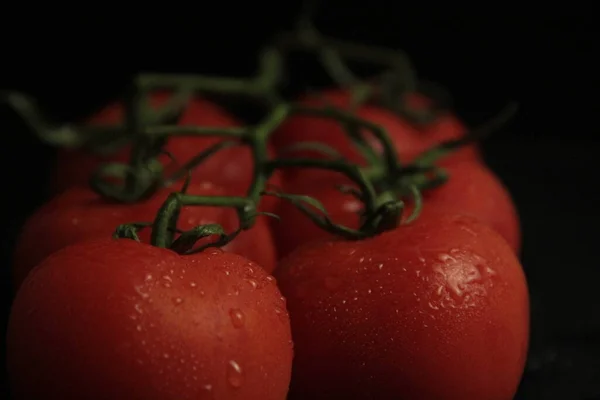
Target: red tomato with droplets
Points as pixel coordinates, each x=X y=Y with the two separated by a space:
x=231 y=168
x=117 y=319
x=472 y=189
x=79 y=214
x=434 y=310
x=409 y=139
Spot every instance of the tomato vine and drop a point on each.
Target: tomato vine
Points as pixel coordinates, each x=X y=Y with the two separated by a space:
x=383 y=184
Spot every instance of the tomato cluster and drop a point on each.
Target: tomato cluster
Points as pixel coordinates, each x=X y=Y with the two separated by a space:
x=435 y=308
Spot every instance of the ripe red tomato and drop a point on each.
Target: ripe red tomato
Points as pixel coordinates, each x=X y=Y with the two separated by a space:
x=472 y=189
x=409 y=139
x=79 y=214
x=230 y=168
x=117 y=319
x=434 y=310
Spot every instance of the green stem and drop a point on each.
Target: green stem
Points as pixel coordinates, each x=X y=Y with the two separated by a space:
x=198 y=159
x=259 y=140
x=390 y=156
x=270 y=65
x=191 y=130
x=165 y=224
x=352 y=171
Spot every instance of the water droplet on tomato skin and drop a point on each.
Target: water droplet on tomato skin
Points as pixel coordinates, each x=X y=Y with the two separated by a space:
x=193 y=285
x=235 y=374
x=177 y=301
x=252 y=283
x=237 y=318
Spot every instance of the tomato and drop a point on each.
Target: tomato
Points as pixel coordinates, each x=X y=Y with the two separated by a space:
x=472 y=189
x=408 y=139
x=433 y=310
x=231 y=168
x=79 y=214
x=117 y=319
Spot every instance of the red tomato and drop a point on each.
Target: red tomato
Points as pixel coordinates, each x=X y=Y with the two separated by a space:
x=472 y=189
x=409 y=139
x=434 y=310
x=117 y=319
x=80 y=214
x=231 y=168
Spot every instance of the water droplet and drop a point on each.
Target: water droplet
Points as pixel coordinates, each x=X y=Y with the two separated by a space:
x=177 y=301
x=138 y=308
x=207 y=388
x=237 y=317
x=249 y=270
x=270 y=279
x=202 y=293
x=252 y=283
x=361 y=259
x=139 y=328
x=167 y=285
x=227 y=273
x=380 y=267
x=167 y=278
x=193 y=284
x=166 y=355
x=235 y=375
x=140 y=290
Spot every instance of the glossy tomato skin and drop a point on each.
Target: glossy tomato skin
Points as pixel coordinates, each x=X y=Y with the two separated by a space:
x=230 y=168
x=472 y=189
x=79 y=214
x=434 y=310
x=117 y=319
x=408 y=139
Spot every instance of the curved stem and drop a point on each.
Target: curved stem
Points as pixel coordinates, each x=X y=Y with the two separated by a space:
x=165 y=222
x=390 y=155
x=352 y=171
x=198 y=159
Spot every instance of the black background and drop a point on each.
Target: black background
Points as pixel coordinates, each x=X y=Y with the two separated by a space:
x=543 y=57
